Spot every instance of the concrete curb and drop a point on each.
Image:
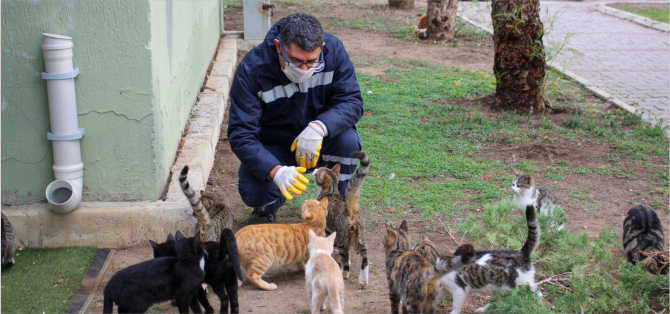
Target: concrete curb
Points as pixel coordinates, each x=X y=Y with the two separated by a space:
x=633 y=18
x=584 y=82
x=123 y=224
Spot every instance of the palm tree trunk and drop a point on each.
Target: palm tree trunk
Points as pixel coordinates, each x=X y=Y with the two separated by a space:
x=519 y=62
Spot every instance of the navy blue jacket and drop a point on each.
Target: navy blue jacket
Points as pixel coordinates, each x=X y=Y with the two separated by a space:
x=267 y=109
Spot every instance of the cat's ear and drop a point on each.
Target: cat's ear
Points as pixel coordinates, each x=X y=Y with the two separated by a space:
x=403 y=226
x=331 y=238
x=153 y=244
x=336 y=169
x=514 y=172
x=171 y=238
x=389 y=230
x=324 y=202
x=179 y=236
x=312 y=235
x=198 y=238
x=424 y=238
x=308 y=216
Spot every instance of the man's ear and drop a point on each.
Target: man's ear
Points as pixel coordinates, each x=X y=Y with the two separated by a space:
x=276 y=41
x=324 y=43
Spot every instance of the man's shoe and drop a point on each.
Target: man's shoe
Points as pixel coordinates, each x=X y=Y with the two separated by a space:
x=256 y=218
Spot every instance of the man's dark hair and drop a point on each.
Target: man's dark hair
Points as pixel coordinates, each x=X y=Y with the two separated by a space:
x=303 y=30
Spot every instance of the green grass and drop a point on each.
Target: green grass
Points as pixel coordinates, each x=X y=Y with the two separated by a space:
x=44 y=280
x=661 y=15
x=596 y=281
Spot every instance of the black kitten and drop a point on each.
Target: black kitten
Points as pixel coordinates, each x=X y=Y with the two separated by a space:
x=222 y=269
x=136 y=288
x=167 y=248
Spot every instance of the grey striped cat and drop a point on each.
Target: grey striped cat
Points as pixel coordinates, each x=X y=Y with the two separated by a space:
x=412 y=281
x=642 y=231
x=526 y=193
x=494 y=269
x=213 y=216
x=8 y=239
x=344 y=215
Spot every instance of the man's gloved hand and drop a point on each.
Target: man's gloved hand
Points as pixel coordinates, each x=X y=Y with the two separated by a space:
x=307 y=146
x=288 y=179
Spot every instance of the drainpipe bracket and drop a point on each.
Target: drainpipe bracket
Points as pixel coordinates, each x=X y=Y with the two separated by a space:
x=60 y=76
x=66 y=137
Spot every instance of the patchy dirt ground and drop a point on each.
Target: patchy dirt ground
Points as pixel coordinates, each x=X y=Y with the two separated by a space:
x=604 y=205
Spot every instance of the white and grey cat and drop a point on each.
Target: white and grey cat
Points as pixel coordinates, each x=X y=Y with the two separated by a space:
x=494 y=270
x=8 y=239
x=526 y=193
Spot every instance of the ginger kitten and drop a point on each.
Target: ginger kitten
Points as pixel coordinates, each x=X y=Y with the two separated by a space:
x=323 y=280
x=265 y=245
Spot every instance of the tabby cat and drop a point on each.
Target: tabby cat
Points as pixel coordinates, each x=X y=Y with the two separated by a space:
x=642 y=231
x=222 y=268
x=429 y=251
x=8 y=238
x=212 y=216
x=526 y=193
x=421 y=29
x=495 y=269
x=323 y=280
x=411 y=279
x=344 y=215
x=265 y=245
x=134 y=289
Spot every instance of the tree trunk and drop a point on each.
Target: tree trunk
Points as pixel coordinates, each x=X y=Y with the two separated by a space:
x=401 y=4
x=442 y=19
x=519 y=63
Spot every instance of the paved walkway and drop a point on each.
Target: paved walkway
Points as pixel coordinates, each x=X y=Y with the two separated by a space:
x=625 y=59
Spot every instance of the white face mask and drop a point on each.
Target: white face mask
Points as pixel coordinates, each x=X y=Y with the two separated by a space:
x=297 y=75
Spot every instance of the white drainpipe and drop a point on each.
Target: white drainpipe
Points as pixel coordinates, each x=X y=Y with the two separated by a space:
x=64 y=194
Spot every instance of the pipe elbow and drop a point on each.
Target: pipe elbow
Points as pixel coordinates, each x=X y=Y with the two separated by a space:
x=64 y=195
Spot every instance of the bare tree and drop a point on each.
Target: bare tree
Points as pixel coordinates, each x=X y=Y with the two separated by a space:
x=401 y=4
x=519 y=63
x=442 y=19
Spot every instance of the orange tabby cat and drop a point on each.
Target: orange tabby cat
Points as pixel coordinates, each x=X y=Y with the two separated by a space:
x=322 y=276
x=421 y=30
x=265 y=245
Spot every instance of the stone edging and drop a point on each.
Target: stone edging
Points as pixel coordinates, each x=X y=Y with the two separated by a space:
x=634 y=17
x=584 y=82
x=123 y=224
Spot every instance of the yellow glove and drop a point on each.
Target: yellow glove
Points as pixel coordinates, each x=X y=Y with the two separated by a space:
x=307 y=146
x=288 y=179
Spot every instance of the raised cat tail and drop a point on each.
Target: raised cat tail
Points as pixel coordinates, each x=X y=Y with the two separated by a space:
x=198 y=208
x=533 y=233
x=229 y=245
x=354 y=185
x=464 y=255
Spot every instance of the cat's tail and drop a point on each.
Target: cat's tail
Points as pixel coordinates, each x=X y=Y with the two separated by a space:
x=463 y=256
x=336 y=297
x=354 y=186
x=228 y=246
x=198 y=208
x=533 y=233
x=108 y=305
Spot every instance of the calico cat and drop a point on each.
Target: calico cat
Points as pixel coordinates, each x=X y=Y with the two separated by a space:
x=526 y=193
x=429 y=251
x=411 y=279
x=212 y=216
x=495 y=269
x=421 y=29
x=8 y=239
x=322 y=276
x=136 y=288
x=222 y=268
x=265 y=245
x=642 y=231
x=343 y=213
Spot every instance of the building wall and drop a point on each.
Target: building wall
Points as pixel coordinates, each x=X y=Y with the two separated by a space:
x=133 y=92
